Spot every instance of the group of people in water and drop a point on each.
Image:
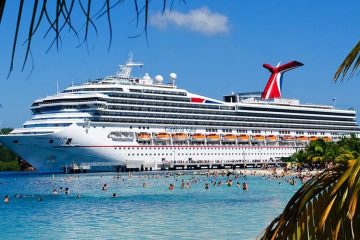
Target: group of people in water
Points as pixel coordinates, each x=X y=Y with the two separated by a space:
x=213 y=183
x=178 y=180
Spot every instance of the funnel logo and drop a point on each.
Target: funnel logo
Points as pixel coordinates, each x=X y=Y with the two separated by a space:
x=273 y=86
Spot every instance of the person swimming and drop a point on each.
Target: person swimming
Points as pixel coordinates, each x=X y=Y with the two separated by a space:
x=114 y=195
x=171 y=187
x=6 y=199
x=67 y=191
x=54 y=192
x=245 y=186
x=206 y=186
x=104 y=188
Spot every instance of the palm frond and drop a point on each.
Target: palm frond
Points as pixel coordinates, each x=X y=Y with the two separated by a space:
x=326 y=207
x=352 y=61
x=2 y=7
x=63 y=15
x=30 y=32
x=16 y=36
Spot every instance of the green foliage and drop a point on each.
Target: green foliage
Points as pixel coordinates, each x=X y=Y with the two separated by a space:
x=321 y=152
x=9 y=166
x=8 y=159
x=327 y=206
x=6 y=130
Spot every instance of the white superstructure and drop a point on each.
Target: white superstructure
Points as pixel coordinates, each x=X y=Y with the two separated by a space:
x=128 y=122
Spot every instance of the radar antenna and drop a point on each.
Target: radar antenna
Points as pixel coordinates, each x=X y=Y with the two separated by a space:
x=125 y=69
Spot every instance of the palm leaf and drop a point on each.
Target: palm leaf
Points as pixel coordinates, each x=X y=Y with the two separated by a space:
x=327 y=206
x=352 y=59
x=2 y=7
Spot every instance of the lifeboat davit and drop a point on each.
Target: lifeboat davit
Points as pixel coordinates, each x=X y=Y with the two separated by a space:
x=212 y=138
x=258 y=138
x=302 y=139
x=271 y=138
x=229 y=138
x=327 y=139
x=197 y=137
x=243 y=138
x=163 y=136
x=288 y=138
x=313 y=138
x=144 y=137
x=179 y=137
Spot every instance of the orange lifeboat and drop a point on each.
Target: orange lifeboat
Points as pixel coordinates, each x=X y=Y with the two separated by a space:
x=327 y=139
x=243 y=138
x=229 y=138
x=179 y=137
x=144 y=137
x=212 y=138
x=197 y=137
x=271 y=138
x=258 y=138
x=288 y=138
x=163 y=136
x=302 y=139
x=313 y=138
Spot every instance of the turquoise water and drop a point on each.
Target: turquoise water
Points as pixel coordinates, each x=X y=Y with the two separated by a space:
x=153 y=212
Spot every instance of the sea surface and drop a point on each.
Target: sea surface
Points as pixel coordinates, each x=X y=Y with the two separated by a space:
x=138 y=212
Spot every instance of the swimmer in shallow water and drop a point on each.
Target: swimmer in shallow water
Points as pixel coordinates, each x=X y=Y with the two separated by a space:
x=6 y=199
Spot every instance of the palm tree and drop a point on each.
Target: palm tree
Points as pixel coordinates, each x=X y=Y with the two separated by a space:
x=326 y=207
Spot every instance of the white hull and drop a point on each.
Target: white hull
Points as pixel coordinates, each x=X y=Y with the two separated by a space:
x=92 y=147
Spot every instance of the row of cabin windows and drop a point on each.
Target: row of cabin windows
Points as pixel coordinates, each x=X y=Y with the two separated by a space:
x=195 y=154
x=140 y=96
x=215 y=123
x=207 y=112
x=284 y=132
x=121 y=90
x=294 y=111
x=217 y=118
x=92 y=90
x=151 y=97
x=71 y=100
x=198 y=148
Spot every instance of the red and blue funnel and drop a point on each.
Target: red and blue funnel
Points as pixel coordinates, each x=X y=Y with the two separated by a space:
x=273 y=87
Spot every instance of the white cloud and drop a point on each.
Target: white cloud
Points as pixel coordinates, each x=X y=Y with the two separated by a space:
x=200 y=20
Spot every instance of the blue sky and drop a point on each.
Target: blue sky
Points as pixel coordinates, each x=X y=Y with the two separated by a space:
x=215 y=47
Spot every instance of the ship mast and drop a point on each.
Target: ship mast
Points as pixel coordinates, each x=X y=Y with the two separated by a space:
x=125 y=69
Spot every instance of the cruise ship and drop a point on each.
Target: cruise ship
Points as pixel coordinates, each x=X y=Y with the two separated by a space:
x=121 y=122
